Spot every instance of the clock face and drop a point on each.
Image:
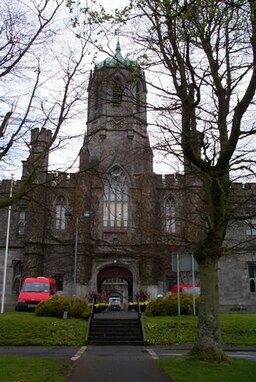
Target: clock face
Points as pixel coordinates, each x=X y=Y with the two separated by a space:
x=116 y=122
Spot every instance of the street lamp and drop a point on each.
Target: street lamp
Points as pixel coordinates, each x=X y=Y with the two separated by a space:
x=85 y=214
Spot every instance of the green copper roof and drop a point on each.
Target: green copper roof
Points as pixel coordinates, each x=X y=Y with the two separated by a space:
x=117 y=60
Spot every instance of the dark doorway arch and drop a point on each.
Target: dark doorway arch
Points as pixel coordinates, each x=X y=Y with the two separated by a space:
x=113 y=277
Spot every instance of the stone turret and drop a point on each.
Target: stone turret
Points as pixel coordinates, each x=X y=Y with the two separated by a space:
x=117 y=125
x=38 y=162
x=40 y=143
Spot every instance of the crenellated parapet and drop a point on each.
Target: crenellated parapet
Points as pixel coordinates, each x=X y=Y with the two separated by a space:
x=169 y=180
x=41 y=136
x=39 y=154
x=242 y=187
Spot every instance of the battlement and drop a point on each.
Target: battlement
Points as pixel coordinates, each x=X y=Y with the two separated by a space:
x=169 y=180
x=61 y=179
x=5 y=186
x=41 y=136
x=243 y=186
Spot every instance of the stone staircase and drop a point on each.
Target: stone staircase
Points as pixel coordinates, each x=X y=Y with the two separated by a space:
x=111 y=330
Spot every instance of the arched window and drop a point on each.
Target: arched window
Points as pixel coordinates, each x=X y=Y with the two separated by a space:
x=115 y=212
x=117 y=91
x=60 y=209
x=252 y=286
x=17 y=275
x=21 y=223
x=252 y=276
x=170 y=225
x=96 y=96
x=138 y=95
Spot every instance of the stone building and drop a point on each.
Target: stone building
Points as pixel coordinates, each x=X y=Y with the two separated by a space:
x=115 y=226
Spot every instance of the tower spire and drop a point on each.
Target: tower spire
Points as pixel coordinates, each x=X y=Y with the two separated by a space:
x=118 y=55
x=118 y=48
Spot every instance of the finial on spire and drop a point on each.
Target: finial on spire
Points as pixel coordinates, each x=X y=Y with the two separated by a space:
x=118 y=48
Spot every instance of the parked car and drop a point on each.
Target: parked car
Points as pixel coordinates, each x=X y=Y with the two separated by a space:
x=34 y=290
x=186 y=288
x=114 y=303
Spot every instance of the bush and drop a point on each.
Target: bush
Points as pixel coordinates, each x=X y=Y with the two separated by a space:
x=80 y=309
x=54 y=307
x=168 y=306
x=57 y=305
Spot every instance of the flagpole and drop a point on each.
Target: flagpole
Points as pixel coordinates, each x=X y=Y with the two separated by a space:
x=6 y=248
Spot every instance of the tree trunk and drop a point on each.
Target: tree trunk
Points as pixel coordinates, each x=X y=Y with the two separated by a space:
x=208 y=340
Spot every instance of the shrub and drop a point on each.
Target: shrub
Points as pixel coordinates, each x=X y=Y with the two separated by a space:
x=80 y=309
x=54 y=307
x=57 y=305
x=168 y=306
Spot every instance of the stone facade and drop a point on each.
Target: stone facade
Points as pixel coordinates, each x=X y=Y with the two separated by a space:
x=115 y=226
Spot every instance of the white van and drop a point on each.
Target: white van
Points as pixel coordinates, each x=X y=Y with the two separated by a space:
x=114 y=303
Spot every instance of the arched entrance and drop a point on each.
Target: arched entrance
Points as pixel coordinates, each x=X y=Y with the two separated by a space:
x=115 y=281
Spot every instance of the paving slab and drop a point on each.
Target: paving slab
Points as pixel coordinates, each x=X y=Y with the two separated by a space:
x=117 y=364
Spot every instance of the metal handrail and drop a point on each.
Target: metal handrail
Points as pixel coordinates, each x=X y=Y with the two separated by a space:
x=92 y=307
x=141 y=320
x=90 y=320
x=139 y=310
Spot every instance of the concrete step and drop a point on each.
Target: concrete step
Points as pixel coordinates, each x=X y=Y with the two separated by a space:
x=115 y=332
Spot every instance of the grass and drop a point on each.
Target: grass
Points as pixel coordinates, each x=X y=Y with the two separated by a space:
x=24 y=328
x=237 y=329
x=28 y=369
x=188 y=369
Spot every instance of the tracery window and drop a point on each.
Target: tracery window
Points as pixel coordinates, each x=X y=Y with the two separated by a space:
x=17 y=275
x=115 y=212
x=252 y=276
x=117 y=91
x=96 y=96
x=251 y=227
x=138 y=95
x=60 y=209
x=170 y=224
x=21 y=223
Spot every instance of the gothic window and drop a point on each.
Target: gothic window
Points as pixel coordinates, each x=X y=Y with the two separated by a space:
x=170 y=215
x=17 y=276
x=115 y=214
x=138 y=95
x=252 y=276
x=117 y=91
x=21 y=223
x=251 y=227
x=60 y=209
x=96 y=97
x=59 y=281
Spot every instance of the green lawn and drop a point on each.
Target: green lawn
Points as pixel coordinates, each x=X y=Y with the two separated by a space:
x=237 y=329
x=24 y=328
x=188 y=369
x=28 y=369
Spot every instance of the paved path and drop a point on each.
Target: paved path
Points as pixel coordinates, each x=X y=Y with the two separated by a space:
x=59 y=352
x=117 y=364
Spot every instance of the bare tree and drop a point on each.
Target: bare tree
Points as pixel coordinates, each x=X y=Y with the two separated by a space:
x=206 y=51
x=43 y=75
